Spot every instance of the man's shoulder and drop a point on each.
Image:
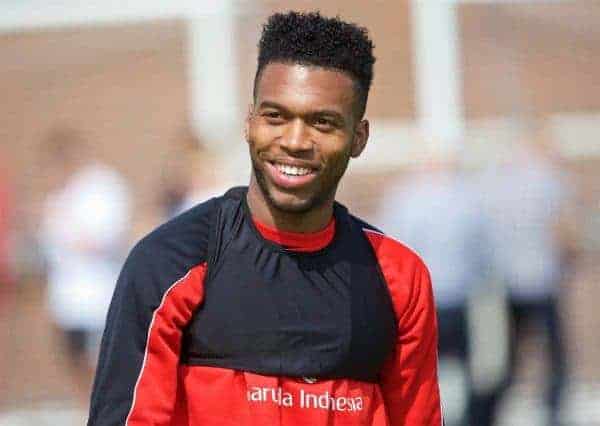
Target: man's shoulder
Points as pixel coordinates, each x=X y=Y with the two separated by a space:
x=387 y=247
x=182 y=240
x=168 y=253
x=364 y=225
x=188 y=234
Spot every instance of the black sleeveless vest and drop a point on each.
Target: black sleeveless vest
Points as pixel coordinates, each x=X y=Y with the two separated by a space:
x=271 y=311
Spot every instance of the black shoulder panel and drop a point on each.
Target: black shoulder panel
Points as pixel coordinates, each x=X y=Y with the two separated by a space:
x=158 y=261
x=272 y=311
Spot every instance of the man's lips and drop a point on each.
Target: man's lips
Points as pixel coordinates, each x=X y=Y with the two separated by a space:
x=290 y=175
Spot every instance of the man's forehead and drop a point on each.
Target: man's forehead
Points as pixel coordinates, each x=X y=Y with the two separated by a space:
x=305 y=83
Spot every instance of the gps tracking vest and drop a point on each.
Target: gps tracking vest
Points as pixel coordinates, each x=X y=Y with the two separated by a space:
x=268 y=310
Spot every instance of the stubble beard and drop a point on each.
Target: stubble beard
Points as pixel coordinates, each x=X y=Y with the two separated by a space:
x=313 y=202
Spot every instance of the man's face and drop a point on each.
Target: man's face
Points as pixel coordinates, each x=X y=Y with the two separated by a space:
x=302 y=131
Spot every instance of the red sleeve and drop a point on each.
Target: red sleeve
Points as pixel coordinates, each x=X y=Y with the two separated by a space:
x=409 y=381
x=136 y=379
x=155 y=391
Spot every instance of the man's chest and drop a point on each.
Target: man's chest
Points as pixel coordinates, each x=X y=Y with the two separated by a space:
x=276 y=313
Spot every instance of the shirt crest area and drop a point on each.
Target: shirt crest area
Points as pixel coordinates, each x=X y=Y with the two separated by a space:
x=324 y=314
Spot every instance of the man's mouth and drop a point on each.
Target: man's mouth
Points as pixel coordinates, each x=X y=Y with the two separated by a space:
x=290 y=176
x=292 y=170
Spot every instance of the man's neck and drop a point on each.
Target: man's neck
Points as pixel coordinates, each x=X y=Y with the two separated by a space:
x=305 y=222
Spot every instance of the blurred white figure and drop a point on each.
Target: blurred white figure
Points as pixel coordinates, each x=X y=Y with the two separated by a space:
x=84 y=230
x=436 y=212
x=525 y=199
x=526 y=196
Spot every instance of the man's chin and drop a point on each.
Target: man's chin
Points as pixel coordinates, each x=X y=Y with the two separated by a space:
x=298 y=201
x=290 y=203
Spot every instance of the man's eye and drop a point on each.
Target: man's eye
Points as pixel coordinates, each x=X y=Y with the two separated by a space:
x=324 y=124
x=272 y=115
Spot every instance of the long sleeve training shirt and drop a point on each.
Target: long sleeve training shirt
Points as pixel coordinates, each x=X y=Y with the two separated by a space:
x=219 y=320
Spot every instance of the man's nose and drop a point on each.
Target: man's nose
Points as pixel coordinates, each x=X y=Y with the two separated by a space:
x=296 y=137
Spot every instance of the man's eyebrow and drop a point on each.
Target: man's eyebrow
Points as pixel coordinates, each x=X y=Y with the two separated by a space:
x=321 y=112
x=328 y=112
x=271 y=104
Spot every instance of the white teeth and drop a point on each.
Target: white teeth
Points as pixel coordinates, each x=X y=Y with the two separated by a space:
x=292 y=170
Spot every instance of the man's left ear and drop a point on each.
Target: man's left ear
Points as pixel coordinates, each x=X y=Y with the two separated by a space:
x=247 y=122
x=361 y=135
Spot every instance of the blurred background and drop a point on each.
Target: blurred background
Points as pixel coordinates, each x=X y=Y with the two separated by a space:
x=484 y=157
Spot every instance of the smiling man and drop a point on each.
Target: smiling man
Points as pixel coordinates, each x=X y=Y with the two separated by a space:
x=302 y=130
x=273 y=305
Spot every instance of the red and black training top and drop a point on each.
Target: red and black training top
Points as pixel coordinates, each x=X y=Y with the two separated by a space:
x=219 y=320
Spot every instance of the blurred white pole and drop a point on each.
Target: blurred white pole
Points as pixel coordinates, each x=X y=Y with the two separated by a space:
x=437 y=72
x=215 y=110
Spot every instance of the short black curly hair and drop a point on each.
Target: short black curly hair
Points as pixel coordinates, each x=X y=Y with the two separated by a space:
x=314 y=40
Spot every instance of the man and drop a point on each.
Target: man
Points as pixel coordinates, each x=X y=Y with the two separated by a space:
x=272 y=305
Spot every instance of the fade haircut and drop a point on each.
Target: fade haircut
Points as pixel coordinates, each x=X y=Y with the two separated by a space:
x=314 y=40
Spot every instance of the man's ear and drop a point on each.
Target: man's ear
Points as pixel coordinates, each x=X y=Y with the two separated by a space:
x=361 y=136
x=249 y=116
